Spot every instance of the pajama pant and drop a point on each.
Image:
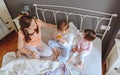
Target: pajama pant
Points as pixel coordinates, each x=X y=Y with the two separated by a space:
x=65 y=52
x=42 y=49
x=82 y=55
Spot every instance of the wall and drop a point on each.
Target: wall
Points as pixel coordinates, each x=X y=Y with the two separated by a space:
x=109 y=41
x=110 y=6
x=99 y=5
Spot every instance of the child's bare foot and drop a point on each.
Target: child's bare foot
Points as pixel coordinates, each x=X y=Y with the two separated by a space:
x=68 y=60
x=18 y=54
x=56 y=54
x=78 y=65
x=35 y=55
x=54 y=58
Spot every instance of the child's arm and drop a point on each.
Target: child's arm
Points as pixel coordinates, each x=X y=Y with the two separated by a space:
x=90 y=46
x=25 y=51
x=21 y=47
x=79 y=44
x=61 y=40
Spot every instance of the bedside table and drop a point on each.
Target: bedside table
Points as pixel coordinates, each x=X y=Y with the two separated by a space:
x=16 y=21
x=113 y=60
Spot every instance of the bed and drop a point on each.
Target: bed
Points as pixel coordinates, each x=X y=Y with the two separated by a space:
x=25 y=66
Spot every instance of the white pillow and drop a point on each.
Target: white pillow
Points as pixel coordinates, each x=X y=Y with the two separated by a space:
x=73 y=29
x=76 y=33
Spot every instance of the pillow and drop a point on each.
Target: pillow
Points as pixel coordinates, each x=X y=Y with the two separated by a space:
x=47 y=34
x=73 y=28
x=76 y=33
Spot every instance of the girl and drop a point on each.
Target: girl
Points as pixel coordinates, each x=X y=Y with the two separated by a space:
x=84 y=47
x=63 y=40
x=29 y=37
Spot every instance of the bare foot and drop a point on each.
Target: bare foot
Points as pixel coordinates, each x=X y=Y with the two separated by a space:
x=36 y=55
x=54 y=58
x=68 y=60
x=78 y=65
x=56 y=54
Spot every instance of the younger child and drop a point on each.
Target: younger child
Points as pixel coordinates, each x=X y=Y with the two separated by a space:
x=84 y=47
x=63 y=40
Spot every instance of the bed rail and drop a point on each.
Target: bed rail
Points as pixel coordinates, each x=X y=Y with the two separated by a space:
x=82 y=16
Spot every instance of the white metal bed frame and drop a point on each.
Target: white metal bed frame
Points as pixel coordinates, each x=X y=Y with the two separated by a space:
x=82 y=16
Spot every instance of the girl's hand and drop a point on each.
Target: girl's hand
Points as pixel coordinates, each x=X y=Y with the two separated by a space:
x=79 y=50
x=35 y=55
x=57 y=39
x=74 y=49
x=61 y=40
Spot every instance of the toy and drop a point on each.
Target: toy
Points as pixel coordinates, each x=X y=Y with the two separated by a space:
x=58 y=36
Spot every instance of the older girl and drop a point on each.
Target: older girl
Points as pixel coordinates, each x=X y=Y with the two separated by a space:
x=29 y=37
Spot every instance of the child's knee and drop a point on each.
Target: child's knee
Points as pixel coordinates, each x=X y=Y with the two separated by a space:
x=18 y=54
x=63 y=59
x=50 y=53
x=51 y=43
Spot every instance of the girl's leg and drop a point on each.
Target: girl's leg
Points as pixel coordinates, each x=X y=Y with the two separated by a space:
x=64 y=56
x=73 y=56
x=56 y=53
x=54 y=45
x=31 y=52
x=80 y=64
x=82 y=59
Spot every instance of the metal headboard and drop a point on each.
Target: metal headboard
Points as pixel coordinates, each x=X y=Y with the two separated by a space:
x=82 y=16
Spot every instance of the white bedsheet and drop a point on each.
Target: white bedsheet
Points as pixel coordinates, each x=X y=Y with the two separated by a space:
x=25 y=66
x=93 y=63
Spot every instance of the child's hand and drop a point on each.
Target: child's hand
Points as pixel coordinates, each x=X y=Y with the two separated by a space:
x=61 y=41
x=74 y=49
x=79 y=50
x=35 y=55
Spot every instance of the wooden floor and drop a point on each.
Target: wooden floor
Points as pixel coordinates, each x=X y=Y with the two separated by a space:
x=103 y=68
x=9 y=43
